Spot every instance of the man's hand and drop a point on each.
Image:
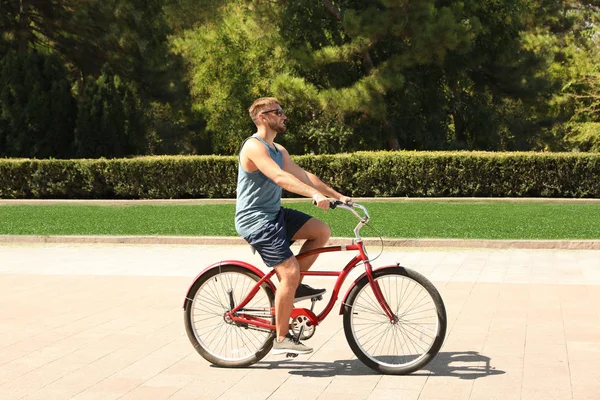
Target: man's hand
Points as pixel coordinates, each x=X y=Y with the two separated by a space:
x=345 y=199
x=321 y=201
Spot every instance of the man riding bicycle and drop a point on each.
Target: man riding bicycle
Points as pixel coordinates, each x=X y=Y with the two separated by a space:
x=266 y=167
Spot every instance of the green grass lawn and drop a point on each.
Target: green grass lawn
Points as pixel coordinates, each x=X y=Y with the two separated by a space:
x=394 y=220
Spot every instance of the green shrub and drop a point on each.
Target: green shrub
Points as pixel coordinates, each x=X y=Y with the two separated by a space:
x=378 y=174
x=136 y=178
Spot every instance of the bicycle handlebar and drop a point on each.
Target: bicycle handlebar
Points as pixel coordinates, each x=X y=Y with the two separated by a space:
x=350 y=207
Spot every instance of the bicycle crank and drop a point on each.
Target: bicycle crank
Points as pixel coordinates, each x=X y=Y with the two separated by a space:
x=301 y=328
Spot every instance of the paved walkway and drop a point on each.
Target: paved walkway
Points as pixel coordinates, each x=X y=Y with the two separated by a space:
x=104 y=321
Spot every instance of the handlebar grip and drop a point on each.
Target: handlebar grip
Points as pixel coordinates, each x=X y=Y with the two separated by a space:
x=332 y=203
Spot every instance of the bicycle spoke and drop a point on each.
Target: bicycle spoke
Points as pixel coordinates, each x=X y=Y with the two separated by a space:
x=394 y=343
x=381 y=342
x=372 y=308
x=212 y=311
x=370 y=333
x=214 y=333
x=222 y=338
x=418 y=305
x=215 y=294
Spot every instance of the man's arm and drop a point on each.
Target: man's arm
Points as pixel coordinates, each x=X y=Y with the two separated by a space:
x=258 y=155
x=325 y=189
x=308 y=178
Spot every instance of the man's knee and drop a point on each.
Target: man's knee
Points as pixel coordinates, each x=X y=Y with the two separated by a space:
x=288 y=271
x=314 y=229
x=326 y=233
x=322 y=232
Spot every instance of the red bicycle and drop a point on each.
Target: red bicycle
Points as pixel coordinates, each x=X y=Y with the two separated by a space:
x=394 y=318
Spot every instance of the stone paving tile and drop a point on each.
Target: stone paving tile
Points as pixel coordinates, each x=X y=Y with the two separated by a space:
x=585 y=392
x=150 y=392
x=393 y=394
x=105 y=321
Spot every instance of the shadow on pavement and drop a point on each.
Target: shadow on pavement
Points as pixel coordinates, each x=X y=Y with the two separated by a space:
x=463 y=365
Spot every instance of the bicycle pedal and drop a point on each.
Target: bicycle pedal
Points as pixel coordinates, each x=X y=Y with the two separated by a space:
x=291 y=355
x=316 y=298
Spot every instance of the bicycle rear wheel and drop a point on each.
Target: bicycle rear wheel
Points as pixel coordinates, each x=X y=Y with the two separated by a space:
x=406 y=345
x=221 y=342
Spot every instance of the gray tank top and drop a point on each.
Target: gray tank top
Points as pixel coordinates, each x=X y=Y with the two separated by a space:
x=258 y=197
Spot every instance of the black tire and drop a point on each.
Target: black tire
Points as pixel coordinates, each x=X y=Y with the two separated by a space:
x=223 y=343
x=411 y=344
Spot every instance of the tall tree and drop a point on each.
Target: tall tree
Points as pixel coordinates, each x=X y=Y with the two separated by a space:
x=109 y=122
x=37 y=110
x=231 y=63
x=380 y=41
x=575 y=106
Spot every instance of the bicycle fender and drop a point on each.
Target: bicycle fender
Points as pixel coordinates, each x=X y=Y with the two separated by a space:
x=364 y=274
x=220 y=264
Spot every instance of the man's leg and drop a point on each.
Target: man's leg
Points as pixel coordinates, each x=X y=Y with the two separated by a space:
x=288 y=273
x=316 y=233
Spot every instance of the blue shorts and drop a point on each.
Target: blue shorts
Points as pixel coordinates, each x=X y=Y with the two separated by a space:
x=273 y=239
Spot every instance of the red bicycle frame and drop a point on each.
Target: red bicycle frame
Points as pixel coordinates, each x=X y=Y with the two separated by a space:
x=237 y=313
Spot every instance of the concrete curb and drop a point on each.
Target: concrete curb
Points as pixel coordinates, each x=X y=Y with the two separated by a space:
x=229 y=241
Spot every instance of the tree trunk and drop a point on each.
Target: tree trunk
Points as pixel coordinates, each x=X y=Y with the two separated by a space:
x=460 y=135
x=333 y=10
x=23 y=33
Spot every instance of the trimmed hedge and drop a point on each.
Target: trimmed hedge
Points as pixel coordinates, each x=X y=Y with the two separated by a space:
x=363 y=174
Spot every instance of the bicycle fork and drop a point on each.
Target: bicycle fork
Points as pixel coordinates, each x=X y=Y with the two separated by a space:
x=380 y=298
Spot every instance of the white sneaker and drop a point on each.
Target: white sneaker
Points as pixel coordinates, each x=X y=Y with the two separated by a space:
x=289 y=346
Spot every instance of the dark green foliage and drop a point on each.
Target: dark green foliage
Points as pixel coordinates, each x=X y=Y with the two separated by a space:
x=416 y=74
x=109 y=122
x=37 y=110
x=131 y=37
x=352 y=74
x=380 y=174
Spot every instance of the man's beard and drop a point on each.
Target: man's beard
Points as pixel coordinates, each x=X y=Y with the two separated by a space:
x=278 y=127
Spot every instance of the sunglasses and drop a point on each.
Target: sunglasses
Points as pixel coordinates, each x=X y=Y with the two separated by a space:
x=279 y=111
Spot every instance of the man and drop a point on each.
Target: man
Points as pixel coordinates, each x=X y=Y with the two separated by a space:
x=264 y=169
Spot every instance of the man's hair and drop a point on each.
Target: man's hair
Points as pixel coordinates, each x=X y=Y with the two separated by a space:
x=261 y=105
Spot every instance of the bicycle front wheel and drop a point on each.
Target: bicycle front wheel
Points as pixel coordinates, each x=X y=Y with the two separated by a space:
x=406 y=344
x=218 y=340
